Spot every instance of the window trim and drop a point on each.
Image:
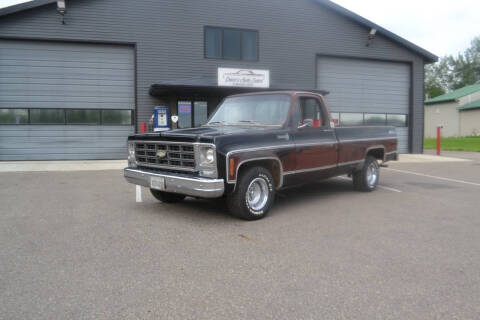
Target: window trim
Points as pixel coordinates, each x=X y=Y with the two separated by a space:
x=222 y=57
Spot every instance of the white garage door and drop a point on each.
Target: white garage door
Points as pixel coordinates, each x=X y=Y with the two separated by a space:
x=374 y=89
x=65 y=100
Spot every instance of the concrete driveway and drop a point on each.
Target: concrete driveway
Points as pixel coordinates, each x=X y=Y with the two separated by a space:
x=76 y=245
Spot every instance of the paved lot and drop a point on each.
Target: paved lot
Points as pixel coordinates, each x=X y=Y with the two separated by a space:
x=76 y=245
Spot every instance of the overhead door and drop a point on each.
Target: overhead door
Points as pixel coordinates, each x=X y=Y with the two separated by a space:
x=367 y=92
x=65 y=100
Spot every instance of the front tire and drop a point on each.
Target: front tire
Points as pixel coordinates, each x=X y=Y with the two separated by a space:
x=254 y=194
x=167 y=197
x=366 y=179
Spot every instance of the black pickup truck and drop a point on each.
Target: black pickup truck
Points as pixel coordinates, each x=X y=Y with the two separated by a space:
x=253 y=145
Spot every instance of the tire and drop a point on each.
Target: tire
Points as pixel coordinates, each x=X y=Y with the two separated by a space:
x=255 y=205
x=167 y=197
x=366 y=179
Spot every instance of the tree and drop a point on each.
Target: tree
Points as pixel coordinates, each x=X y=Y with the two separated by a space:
x=466 y=67
x=451 y=73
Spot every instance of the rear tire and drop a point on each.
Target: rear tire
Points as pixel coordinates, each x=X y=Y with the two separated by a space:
x=167 y=197
x=366 y=179
x=254 y=194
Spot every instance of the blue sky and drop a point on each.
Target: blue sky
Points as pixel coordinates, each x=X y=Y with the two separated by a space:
x=440 y=26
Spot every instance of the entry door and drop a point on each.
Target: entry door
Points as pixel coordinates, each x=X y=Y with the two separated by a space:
x=316 y=145
x=192 y=114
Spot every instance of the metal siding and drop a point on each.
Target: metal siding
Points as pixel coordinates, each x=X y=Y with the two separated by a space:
x=369 y=86
x=41 y=74
x=291 y=34
x=44 y=142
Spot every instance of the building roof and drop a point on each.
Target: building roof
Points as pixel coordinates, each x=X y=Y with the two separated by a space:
x=454 y=95
x=428 y=56
x=470 y=106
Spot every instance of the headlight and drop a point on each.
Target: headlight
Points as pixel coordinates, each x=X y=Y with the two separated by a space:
x=207 y=162
x=131 y=154
x=207 y=156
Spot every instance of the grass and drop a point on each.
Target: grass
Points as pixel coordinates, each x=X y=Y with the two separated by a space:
x=471 y=144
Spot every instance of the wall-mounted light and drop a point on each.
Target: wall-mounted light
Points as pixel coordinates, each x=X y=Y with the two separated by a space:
x=62 y=9
x=371 y=36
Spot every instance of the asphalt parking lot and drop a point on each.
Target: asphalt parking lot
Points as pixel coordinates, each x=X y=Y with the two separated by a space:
x=76 y=245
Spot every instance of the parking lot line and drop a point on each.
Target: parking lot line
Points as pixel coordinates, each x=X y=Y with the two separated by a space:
x=434 y=177
x=378 y=186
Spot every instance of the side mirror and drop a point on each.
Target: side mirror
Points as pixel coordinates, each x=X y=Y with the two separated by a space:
x=307 y=123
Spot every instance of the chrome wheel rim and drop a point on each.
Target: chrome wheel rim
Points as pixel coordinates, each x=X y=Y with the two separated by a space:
x=257 y=194
x=372 y=174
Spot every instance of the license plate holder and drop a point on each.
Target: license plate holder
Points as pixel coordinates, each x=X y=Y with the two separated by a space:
x=157 y=183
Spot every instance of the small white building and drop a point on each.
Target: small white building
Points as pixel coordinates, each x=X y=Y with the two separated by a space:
x=458 y=112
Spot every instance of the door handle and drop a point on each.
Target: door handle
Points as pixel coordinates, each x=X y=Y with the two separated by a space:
x=285 y=136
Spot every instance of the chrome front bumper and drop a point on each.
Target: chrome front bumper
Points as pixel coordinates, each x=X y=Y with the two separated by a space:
x=195 y=187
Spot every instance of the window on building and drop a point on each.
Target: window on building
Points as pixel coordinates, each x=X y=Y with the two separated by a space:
x=13 y=116
x=231 y=44
x=184 y=110
x=351 y=119
x=213 y=43
x=47 y=116
x=397 y=120
x=375 y=119
x=83 y=116
x=200 y=113
x=117 y=117
x=250 y=45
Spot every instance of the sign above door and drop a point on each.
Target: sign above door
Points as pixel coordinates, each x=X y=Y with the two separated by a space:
x=249 y=78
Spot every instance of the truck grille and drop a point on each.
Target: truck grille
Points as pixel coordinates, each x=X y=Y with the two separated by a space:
x=177 y=156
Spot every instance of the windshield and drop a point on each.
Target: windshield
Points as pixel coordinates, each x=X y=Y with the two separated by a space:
x=269 y=109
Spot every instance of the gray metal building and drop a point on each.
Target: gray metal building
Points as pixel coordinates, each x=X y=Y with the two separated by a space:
x=75 y=90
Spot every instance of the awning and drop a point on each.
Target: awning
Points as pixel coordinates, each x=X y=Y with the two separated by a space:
x=207 y=86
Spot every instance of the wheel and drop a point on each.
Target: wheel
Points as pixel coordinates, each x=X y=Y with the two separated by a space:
x=254 y=194
x=167 y=197
x=366 y=179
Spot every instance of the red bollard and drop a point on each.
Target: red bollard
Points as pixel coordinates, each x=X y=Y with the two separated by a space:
x=144 y=127
x=439 y=139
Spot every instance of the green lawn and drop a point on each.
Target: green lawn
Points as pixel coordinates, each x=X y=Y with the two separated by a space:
x=455 y=144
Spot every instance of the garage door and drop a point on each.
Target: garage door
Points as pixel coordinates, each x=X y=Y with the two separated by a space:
x=367 y=92
x=65 y=100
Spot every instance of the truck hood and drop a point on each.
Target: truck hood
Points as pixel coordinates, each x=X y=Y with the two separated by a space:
x=205 y=134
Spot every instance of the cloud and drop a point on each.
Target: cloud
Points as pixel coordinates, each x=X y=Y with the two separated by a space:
x=7 y=3
x=435 y=25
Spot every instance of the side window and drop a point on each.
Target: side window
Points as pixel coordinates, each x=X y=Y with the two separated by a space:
x=310 y=109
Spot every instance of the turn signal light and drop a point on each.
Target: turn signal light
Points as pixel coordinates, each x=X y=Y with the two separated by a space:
x=231 y=168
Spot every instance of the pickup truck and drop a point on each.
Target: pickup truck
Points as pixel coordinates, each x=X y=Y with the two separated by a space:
x=254 y=145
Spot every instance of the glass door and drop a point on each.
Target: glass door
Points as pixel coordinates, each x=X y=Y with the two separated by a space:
x=192 y=114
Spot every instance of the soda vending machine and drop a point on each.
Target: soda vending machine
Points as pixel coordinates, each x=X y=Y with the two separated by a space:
x=161 y=119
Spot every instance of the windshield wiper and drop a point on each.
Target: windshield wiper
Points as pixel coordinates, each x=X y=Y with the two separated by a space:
x=215 y=123
x=250 y=121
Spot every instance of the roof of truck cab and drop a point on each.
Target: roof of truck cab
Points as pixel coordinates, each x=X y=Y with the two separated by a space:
x=289 y=92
